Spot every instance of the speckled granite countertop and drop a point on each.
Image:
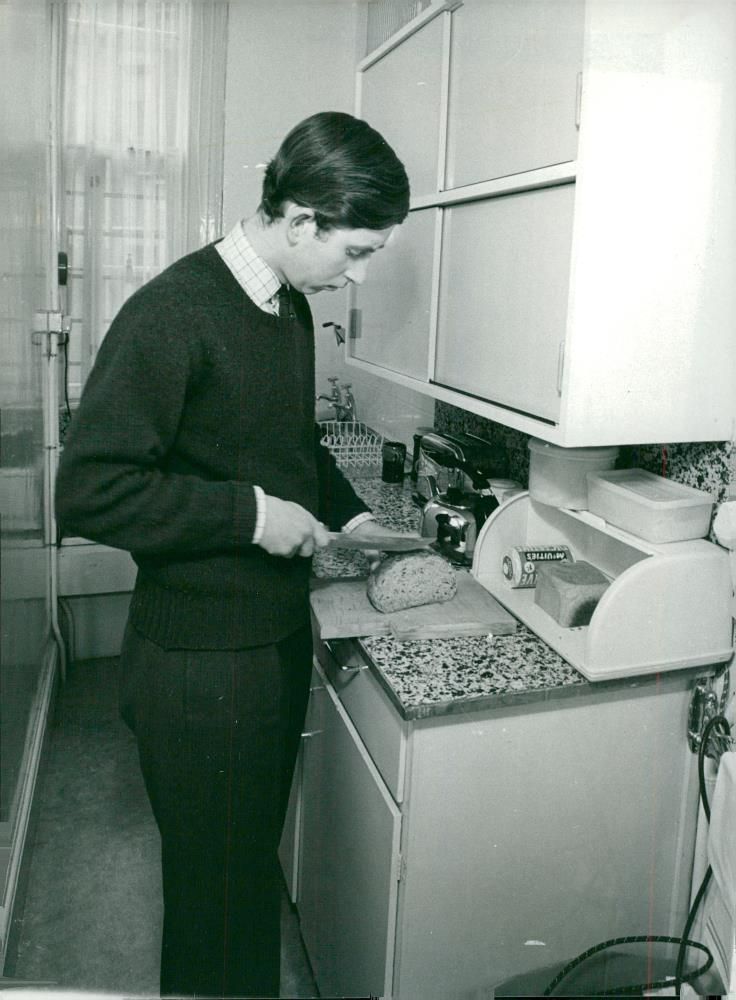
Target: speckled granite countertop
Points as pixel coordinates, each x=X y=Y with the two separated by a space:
x=446 y=676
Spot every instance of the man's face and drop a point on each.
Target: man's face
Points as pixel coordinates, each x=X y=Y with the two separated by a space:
x=330 y=259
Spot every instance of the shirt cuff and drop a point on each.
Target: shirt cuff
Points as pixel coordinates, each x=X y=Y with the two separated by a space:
x=261 y=517
x=358 y=519
x=260 y=514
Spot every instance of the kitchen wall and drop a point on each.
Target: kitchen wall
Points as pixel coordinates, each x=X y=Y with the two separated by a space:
x=285 y=61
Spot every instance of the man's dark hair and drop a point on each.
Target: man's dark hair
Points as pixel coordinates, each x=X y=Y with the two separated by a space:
x=341 y=168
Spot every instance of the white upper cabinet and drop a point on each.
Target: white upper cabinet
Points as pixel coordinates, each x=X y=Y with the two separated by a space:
x=651 y=323
x=578 y=282
x=503 y=298
x=391 y=324
x=402 y=92
x=401 y=96
x=515 y=70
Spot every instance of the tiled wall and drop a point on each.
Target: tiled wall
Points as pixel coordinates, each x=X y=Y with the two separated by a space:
x=707 y=466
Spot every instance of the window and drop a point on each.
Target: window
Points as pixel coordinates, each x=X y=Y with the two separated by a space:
x=142 y=144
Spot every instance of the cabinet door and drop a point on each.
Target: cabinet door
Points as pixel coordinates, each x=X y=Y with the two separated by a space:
x=391 y=328
x=513 y=87
x=503 y=298
x=349 y=864
x=400 y=95
x=290 y=845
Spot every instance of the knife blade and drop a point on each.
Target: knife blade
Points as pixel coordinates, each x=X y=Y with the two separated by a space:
x=381 y=543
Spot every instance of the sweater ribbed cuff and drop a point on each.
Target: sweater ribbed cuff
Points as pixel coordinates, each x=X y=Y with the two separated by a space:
x=245 y=514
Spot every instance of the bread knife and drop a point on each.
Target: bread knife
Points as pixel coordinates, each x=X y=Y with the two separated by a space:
x=380 y=543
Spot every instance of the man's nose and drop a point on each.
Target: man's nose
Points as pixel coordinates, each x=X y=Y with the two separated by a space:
x=356 y=272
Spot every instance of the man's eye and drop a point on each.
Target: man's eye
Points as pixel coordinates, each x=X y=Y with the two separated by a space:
x=356 y=254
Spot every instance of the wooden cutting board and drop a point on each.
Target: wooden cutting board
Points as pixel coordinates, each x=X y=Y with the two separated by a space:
x=342 y=610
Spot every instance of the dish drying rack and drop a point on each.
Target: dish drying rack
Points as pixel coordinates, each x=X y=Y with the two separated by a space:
x=355 y=446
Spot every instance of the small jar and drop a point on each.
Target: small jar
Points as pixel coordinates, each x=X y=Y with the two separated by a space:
x=393 y=458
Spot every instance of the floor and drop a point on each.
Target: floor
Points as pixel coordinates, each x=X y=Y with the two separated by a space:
x=91 y=913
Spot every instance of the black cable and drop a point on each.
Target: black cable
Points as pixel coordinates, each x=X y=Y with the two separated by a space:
x=637 y=989
x=710 y=726
x=716 y=720
x=679 y=978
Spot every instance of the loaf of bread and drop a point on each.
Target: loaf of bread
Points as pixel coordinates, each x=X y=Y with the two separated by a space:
x=410 y=579
x=569 y=592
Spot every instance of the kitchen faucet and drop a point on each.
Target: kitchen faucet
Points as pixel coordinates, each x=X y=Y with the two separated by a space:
x=335 y=396
x=347 y=407
x=341 y=399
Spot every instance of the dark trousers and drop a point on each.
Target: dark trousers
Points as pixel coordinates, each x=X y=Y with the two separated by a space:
x=218 y=733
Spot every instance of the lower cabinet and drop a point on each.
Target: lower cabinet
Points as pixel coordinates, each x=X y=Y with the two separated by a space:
x=522 y=834
x=348 y=864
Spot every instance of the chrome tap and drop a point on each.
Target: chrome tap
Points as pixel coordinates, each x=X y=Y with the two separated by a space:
x=341 y=399
x=335 y=396
x=346 y=409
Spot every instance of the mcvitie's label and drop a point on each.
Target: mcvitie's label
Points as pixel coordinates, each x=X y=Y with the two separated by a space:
x=520 y=564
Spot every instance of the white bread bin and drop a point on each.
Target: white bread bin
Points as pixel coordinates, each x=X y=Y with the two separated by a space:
x=649 y=506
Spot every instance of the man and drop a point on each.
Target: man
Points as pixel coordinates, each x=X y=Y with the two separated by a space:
x=194 y=448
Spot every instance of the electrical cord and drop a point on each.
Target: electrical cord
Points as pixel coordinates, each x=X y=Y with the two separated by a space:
x=710 y=726
x=684 y=941
x=630 y=990
x=679 y=977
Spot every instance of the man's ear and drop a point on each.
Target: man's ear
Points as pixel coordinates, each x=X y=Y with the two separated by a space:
x=300 y=221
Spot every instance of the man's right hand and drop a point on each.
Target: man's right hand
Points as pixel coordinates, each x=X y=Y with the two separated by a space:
x=291 y=530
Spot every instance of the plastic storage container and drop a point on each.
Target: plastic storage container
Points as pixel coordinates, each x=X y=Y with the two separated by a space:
x=557 y=476
x=649 y=506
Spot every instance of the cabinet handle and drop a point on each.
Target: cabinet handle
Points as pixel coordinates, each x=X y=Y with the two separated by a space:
x=345 y=668
x=578 y=98
x=310 y=733
x=560 y=366
x=354 y=324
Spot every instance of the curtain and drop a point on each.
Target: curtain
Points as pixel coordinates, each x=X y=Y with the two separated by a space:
x=143 y=129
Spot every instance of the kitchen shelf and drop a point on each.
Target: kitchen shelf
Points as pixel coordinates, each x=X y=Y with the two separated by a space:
x=667 y=606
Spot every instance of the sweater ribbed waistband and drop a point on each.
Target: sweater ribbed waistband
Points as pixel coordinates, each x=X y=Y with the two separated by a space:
x=185 y=620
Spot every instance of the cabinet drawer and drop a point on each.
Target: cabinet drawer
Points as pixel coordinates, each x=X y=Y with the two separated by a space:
x=381 y=728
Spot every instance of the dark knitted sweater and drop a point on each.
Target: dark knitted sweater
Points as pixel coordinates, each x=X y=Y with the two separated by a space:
x=195 y=396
